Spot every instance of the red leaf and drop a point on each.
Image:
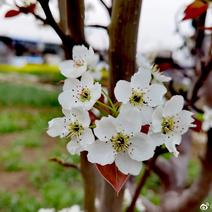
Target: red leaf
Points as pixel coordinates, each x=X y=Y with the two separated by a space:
x=28 y=9
x=195 y=9
x=113 y=176
x=198 y=126
x=31 y=8
x=11 y=13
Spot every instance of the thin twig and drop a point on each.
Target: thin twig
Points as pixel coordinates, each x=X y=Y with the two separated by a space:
x=109 y=9
x=40 y=18
x=65 y=164
x=199 y=83
x=97 y=26
x=51 y=21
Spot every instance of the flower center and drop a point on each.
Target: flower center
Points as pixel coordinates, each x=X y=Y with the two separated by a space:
x=167 y=125
x=75 y=129
x=85 y=95
x=137 y=98
x=78 y=62
x=120 y=142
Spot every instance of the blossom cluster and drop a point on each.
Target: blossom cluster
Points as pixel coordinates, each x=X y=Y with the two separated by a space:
x=116 y=135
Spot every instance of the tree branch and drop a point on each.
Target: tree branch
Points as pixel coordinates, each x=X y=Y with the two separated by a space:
x=109 y=9
x=51 y=21
x=199 y=83
x=191 y=198
x=64 y=164
x=97 y=26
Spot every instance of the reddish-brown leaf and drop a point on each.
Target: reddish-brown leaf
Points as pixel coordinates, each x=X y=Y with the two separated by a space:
x=113 y=176
x=198 y=126
x=11 y=13
x=31 y=8
x=195 y=9
x=28 y=9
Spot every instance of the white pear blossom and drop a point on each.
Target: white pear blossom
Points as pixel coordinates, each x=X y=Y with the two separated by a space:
x=120 y=141
x=157 y=76
x=140 y=94
x=80 y=93
x=83 y=60
x=75 y=126
x=207 y=122
x=169 y=122
x=96 y=71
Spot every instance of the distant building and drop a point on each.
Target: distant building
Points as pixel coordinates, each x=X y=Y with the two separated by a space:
x=19 y=51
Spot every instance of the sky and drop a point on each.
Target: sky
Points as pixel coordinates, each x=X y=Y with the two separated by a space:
x=157 y=25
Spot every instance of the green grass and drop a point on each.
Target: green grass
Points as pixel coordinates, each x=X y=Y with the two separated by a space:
x=18 y=95
x=24 y=113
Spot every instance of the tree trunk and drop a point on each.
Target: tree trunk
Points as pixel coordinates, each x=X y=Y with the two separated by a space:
x=123 y=32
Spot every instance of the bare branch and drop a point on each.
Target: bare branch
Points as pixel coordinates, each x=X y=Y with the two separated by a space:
x=40 y=18
x=97 y=26
x=50 y=19
x=64 y=164
x=109 y=9
x=199 y=83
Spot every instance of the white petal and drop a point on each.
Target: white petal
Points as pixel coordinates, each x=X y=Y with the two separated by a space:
x=160 y=77
x=157 y=119
x=143 y=61
x=157 y=138
x=68 y=99
x=183 y=121
x=100 y=153
x=96 y=91
x=105 y=128
x=92 y=58
x=79 y=52
x=71 y=84
x=81 y=115
x=123 y=91
x=74 y=147
x=128 y=120
x=173 y=106
x=141 y=79
x=87 y=80
x=142 y=148
x=127 y=165
x=146 y=114
x=205 y=125
x=171 y=141
x=154 y=95
x=86 y=138
x=56 y=127
x=70 y=70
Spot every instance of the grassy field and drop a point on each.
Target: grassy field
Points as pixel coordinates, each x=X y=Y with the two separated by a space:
x=29 y=181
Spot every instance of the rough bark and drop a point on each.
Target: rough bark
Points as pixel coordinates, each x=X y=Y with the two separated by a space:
x=75 y=20
x=123 y=32
x=89 y=180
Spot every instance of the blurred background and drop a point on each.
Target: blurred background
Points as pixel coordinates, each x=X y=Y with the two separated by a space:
x=29 y=86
